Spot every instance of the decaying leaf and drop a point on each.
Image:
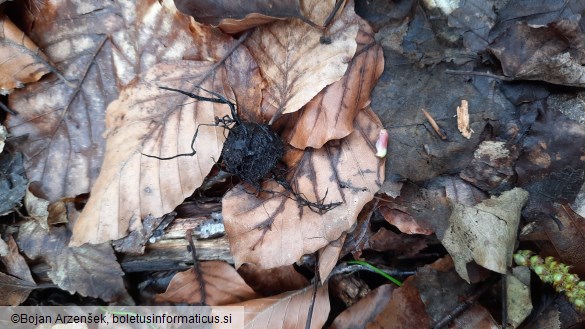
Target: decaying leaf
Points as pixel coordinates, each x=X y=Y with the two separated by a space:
x=90 y=270
x=16 y=264
x=518 y=294
x=273 y=230
x=485 y=233
x=99 y=47
x=146 y=120
x=294 y=61
x=440 y=288
x=16 y=285
x=272 y=281
x=237 y=16
x=551 y=53
x=365 y=310
x=404 y=310
x=330 y=114
x=287 y=310
x=476 y=317
x=492 y=167
x=21 y=61
x=13 y=181
x=220 y=284
x=14 y=290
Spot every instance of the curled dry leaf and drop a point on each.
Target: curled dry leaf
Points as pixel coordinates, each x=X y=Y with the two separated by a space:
x=149 y=120
x=18 y=283
x=237 y=16
x=330 y=114
x=328 y=257
x=272 y=230
x=21 y=61
x=219 y=283
x=288 y=310
x=99 y=46
x=296 y=63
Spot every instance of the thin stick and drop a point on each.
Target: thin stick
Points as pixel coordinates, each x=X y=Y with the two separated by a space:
x=314 y=297
x=435 y=126
x=484 y=74
x=196 y=267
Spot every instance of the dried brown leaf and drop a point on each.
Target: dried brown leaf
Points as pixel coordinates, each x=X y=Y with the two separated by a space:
x=476 y=317
x=328 y=257
x=21 y=61
x=365 y=310
x=272 y=230
x=551 y=53
x=14 y=291
x=294 y=61
x=220 y=281
x=90 y=270
x=237 y=16
x=99 y=47
x=330 y=114
x=153 y=121
x=272 y=281
x=404 y=310
x=16 y=264
x=288 y=310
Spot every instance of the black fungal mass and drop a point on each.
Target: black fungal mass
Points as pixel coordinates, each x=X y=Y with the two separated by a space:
x=251 y=151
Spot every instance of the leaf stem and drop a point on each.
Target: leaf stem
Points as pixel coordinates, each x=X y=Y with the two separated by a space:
x=376 y=270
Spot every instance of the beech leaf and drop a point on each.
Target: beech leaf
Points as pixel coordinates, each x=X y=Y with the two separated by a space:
x=330 y=114
x=288 y=310
x=99 y=46
x=21 y=61
x=294 y=61
x=272 y=230
x=147 y=120
x=221 y=283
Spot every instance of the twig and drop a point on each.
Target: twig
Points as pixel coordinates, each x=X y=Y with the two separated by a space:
x=435 y=126
x=7 y=109
x=459 y=309
x=484 y=74
x=314 y=297
x=196 y=266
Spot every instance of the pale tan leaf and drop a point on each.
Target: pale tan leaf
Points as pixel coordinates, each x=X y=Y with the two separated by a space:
x=288 y=310
x=272 y=230
x=328 y=257
x=485 y=232
x=296 y=63
x=99 y=46
x=149 y=120
x=21 y=61
x=330 y=114
x=221 y=284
